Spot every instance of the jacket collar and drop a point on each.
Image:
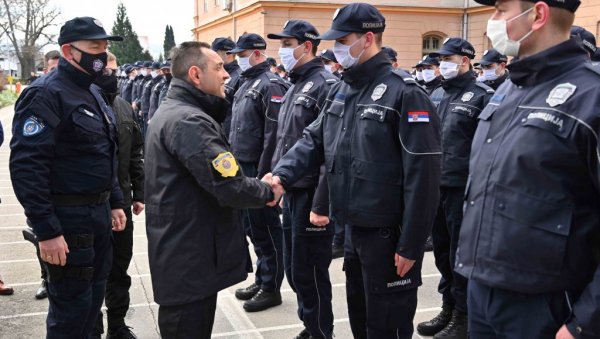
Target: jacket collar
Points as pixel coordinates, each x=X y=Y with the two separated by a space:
x=547 y=64
x=434 y=83
x=77 y=76
x=364 y=73
x=256 y=70
x=232 y=67
x=183 y=91
x=306 y=70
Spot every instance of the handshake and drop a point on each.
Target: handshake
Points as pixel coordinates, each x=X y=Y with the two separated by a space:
x=276 y=187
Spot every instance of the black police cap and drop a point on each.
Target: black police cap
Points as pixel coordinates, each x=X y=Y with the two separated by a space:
x=455 y=46
x=222 y=44
x=390 y=53
x=128 y=69
x=156 y=65
x=147 y=64
x=419 y=64
x=271 y=62
x=587 y=38
x=84 y=28
x=328 y=54
x=570 y=5
x=298 y=29
x=249 y=41
x=430 y=61
x=165 y=64
x=355 y=18
x=492 y=56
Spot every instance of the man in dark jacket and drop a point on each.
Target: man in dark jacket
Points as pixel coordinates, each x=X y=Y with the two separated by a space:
x=431 y=73
x=131 y=181
x=194 y=190
x=494 y=68
x=165 y=81
x=461 y=98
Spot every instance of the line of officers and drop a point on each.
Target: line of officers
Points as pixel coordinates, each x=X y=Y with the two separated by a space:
x=493 y=169
x=504 y=174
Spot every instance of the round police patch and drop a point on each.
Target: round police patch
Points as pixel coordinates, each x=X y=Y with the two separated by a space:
x=32 y=127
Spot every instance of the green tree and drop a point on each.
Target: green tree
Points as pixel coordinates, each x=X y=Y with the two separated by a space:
x=146 y=56
x=129 y=50
x=169 y=42
x=161 y=59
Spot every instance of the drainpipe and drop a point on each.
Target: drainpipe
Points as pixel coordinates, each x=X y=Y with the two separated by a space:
x=465 y=32
x=233 y=10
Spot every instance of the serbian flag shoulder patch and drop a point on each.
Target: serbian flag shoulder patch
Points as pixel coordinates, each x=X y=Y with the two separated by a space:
x=276 y=98
x=418 y=116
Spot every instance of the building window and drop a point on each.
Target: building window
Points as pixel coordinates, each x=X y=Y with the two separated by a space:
x=431 y=43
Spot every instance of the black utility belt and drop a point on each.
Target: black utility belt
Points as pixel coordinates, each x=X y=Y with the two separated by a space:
x=80 y=199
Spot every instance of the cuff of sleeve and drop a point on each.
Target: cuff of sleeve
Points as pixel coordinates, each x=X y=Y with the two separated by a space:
x=574 y=328
x=47 y=229
x=409 y=253
x=138 y=197
x=283 y=180
x=320 y=209
x=117 y=204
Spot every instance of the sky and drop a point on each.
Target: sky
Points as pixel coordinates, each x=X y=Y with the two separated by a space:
x=148 y=18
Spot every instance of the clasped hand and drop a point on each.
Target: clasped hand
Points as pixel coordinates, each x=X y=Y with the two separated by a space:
x=276 y=187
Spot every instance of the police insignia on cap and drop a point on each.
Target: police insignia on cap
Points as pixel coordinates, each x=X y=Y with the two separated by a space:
x=98 y=23
x=337 y=11
x=445 y=41
x=227 y=81
x=424 y=57
x=378 y=92
x=307 y=87
x=32 y=126
x=467 y=96
x=486 y=52
x=256 y=83
x=225 y=164
x=286 y=23
x=560 y=94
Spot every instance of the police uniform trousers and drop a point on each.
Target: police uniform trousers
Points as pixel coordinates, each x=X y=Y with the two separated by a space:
x=76 y=291
x=446 y=229
x=263 y=227
x=498 y=313
x=119 y=282
x=307 y=254
x=188 y=321
x=381 y=304
x=339 y=236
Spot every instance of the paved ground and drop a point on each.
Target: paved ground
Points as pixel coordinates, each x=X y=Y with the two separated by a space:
x=21 y=316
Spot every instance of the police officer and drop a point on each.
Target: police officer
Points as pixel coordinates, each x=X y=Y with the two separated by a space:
x=309 y=234
x=138 y=82
x=418 y=69
x=222 y=46
x=529 y=240
x=461 y=99
x=331 y=64
x=127 y=84
x=131 y=182
x=62 y=125
x=494 y=68
x=144 y=102
x=588 y=40
x=138 y=94
x=253 y=139
x=165 y=81
x=378 y=135
x=431 y=73
x=194 y=189
x=392 y=55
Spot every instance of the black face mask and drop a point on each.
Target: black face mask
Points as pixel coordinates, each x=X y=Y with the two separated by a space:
x=169 y=76
x=94 y=64
x=108 y=83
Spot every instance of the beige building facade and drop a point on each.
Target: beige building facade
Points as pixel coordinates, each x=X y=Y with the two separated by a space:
x=413 y=27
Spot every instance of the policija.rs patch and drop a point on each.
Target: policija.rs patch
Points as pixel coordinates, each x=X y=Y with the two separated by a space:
x=225 y=164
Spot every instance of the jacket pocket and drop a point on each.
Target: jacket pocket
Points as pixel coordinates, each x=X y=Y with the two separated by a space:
x=378 y=184
x=529 y=233
x=88 y=125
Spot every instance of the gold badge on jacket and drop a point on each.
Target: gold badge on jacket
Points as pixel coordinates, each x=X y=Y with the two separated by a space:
x=225 y=164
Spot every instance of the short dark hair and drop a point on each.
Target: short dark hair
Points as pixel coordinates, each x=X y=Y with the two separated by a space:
x=52 y=55
x=186 y=55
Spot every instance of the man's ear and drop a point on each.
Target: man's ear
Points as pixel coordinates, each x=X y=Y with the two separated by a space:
x=194 y=75
x=67 y=51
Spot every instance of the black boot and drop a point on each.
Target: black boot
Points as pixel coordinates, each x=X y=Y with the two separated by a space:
x=429 y=244
x=303 y=335
x=337 y=251
x=122 y=333
x=456 y=328
x=248 y=292
x=42 y=291
x=263 y=300
x=438 y=323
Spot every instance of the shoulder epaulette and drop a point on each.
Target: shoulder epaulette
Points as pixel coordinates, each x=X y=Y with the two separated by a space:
x=407 y=78
x=594 y=67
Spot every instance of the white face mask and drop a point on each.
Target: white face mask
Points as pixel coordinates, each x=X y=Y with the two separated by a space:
x=498 y=34
x=144 y=73
x=420 y=75
x=154 y=74
x=342 y=54
x=328 y=68
x=244 y=63
x=449 y=69
x=287 y=57
x=490 y=74
x=480 y=78
x=428 y=75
